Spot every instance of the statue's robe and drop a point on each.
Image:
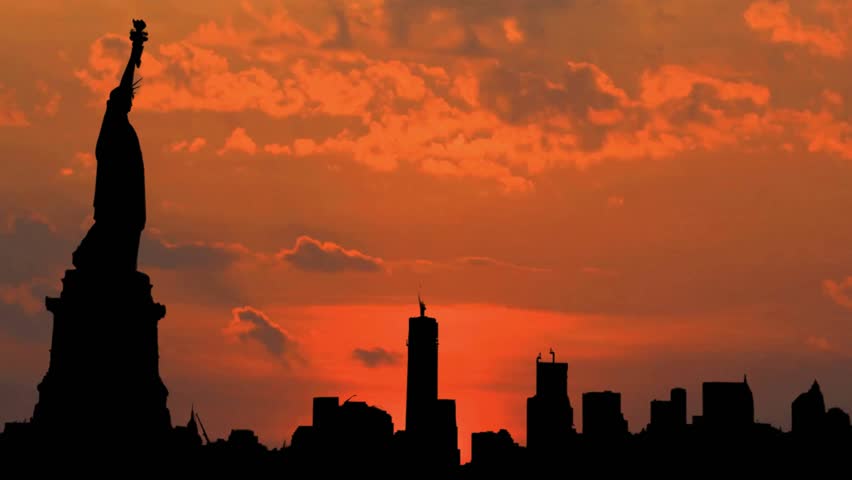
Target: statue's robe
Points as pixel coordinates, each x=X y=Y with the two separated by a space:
x=113 y=241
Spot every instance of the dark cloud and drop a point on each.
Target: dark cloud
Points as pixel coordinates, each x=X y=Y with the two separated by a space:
x=522 y=98
x=693 y=107
x=472 y=46
x=405 y=13
x=343 y=36
x=251 y=324
x=30 y=247
x=703 y=98
x=115 y=44
x=376 y=357
x=20 y=324
x=316 y=256
x=155 y=252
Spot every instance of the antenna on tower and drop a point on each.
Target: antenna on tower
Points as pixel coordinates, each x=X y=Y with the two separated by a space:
x=552 y=355
x=419 y=301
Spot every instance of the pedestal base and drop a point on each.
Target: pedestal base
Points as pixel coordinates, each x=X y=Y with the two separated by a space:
x=103 y=385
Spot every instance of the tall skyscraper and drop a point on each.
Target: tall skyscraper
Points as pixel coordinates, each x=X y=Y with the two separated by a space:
x=550 y=418
x=422 y=388
x=430 y=422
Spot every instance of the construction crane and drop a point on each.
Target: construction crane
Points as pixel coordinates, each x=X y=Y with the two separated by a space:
x=203 y=431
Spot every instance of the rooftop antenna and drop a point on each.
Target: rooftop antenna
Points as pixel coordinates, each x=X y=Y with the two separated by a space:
x=552 y=355
x=422 y=305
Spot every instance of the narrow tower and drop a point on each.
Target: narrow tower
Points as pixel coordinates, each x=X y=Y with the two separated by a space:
x=422 y=388
x=430 y=422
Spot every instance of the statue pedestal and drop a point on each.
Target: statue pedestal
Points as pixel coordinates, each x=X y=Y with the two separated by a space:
x=103 y=385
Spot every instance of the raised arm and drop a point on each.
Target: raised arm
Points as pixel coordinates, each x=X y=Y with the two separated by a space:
x=138 y=36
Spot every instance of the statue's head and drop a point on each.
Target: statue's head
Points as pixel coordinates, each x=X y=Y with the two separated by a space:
x=122 y=98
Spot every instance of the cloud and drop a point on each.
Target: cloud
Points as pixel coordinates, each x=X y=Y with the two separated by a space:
x=493 y=123
x=313 y=255
x=409 y=20
x=277 y=27
x=81 y=163
x=493 y=262
x=10 y=114
x=615 y=201
x=839 y=292
x=51 y=98
x=238 y=141
x=514 y=124
x=214 y=257
x=376 y=357
x=821 y=131
x=183 y=76
x=22 y=315
x=496 y=122
x=513 y=33
x=276 y=149
x=478 y=168
x=31 y=248
x=248 y=323
x=521 y=97
x=676 y=82
x=85 y=160
x=832 y=98
x=776 y=18
x=820 y=344
x=468 y=263
x=190 y=146
x=342 y=34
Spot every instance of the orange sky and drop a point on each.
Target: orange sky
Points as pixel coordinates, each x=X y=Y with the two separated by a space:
x=659 y=190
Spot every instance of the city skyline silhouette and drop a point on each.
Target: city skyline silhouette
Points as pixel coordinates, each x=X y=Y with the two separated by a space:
x=734 y=317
